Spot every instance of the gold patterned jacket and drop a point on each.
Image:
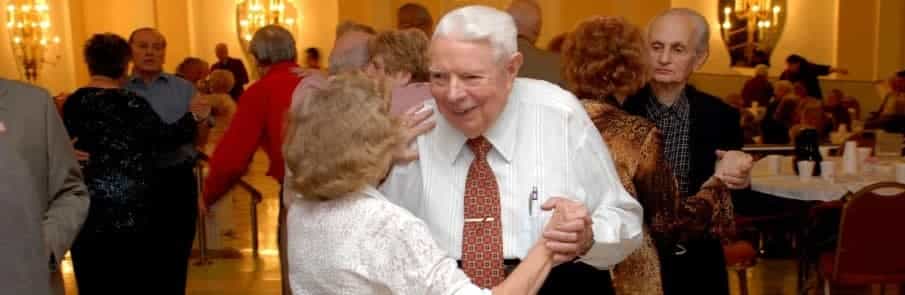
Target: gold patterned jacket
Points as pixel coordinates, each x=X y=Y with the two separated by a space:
x=637 y=150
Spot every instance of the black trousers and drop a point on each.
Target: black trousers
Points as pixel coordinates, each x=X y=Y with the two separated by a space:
x=113 y=263
x=174 y=223
x=577 y=278
x=701 y=269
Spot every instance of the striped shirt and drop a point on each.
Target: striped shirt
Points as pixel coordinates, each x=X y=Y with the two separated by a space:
x=543 y=140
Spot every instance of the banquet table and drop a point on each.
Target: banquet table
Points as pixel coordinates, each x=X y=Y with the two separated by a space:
x=788 y=185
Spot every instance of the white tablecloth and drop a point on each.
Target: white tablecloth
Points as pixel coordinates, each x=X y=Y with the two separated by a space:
x=788 y=185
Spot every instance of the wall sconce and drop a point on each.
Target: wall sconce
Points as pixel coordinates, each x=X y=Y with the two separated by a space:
x=28 y=23
x=751 y=28
x=251 y=15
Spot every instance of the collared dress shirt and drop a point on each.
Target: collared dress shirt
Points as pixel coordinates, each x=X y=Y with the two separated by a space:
x=542 y=141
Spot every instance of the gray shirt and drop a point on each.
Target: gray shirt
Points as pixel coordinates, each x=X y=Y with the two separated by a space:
x=169 y=96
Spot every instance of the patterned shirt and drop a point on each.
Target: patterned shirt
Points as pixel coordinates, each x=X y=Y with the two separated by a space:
x=675 y=122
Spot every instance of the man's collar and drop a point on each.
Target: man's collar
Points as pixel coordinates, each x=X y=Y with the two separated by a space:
x=160 y=76
x=679 y=107
x=502 y=135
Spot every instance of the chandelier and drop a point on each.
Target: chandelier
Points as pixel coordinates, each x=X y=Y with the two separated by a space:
x=252 y=15
x=29 y=26
x=757 y=20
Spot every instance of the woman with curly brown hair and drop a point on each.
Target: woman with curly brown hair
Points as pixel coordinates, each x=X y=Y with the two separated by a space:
x=400 y=58
x=604 y=62
x=345 y=236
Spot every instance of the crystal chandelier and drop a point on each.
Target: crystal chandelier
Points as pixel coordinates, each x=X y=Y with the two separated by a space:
x=252 y=15
x=28 y=23
x=760 y=17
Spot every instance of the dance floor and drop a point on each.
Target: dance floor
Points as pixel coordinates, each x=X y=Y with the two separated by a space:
x=247 y=275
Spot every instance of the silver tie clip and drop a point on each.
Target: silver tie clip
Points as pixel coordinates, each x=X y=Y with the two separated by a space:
x=485 y=219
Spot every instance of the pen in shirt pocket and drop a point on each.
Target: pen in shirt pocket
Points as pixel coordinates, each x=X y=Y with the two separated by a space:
x=532 y=197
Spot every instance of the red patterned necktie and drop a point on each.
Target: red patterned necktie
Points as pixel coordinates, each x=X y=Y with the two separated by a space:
x=482 y=238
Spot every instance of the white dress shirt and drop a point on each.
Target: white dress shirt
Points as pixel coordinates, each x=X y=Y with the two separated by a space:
x=363 y=244
x=543 y=139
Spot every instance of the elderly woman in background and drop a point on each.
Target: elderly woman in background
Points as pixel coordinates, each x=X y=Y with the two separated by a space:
x=400 y=58
x=758 y=88
x=774 y=130
x=837 y=112
x=122 y=133
x=811 y=116
x=259 y=120
x=219 y=84
x=603 y=63
x=223 y=107
x=346 y=237
x=194 y=70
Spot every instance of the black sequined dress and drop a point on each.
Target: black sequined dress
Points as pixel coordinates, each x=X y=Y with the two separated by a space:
x=123 y=134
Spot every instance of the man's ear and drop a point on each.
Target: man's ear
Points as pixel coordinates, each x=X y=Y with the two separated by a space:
x=701 y=59
x=514 y=64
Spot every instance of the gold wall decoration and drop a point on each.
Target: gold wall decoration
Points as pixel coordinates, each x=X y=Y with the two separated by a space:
x=751 y=29
x=33 y=42
x=252 y=15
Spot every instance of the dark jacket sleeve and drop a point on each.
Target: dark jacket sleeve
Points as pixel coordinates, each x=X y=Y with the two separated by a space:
x=241 y=73
x=820 y=70
x=733 y=134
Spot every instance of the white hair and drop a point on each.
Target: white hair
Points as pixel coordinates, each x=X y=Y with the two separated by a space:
x=761 y=70
x=702 y=28
x=272 y=44
x=478 y=23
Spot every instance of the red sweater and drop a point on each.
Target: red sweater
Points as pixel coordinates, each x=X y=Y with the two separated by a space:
x=259 y=121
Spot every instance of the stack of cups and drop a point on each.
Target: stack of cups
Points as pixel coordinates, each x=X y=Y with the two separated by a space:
x=863 y=155
x=849 y=159
x=827 y=170
x=805 y=170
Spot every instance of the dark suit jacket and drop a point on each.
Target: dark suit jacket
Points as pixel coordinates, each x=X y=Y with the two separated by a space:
x=235 y=66
x=714 y=125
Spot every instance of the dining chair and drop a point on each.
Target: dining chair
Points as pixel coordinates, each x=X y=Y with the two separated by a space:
x=740 y=256
x=870 y=245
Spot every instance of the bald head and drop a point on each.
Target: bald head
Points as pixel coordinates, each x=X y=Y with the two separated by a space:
x=414 y=16
x=350 y=52
x=688 y=19
x=222 y=51
x=527 y=17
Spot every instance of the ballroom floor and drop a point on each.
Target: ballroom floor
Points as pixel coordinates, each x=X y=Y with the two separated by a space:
x=247 y=275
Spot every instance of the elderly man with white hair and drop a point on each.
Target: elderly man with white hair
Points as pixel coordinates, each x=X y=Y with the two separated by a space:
x=504 y=152
x=698 y=129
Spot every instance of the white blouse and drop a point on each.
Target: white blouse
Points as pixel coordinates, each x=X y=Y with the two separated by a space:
x=363 y=244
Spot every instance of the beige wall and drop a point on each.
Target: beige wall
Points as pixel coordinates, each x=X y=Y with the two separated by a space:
x=807 y=23
x=890 y=43
x=869 y=39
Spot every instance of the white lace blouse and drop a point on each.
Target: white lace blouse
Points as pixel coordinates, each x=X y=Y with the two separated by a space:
x=363 y=244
